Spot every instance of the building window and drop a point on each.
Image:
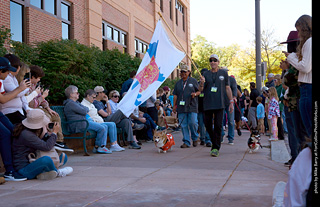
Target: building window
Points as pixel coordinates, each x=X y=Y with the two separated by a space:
x=16 y=21
x=47 y=5
x=115 y=34
x=65 y=18
x=65 y=11
x=50 y=6
x=170 y=8
x=36 y=3
x=161 y=5
x=180 y=7
x=183 y=20
x=140 y=46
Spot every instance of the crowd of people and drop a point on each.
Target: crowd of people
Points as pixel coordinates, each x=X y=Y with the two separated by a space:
x=203 y=108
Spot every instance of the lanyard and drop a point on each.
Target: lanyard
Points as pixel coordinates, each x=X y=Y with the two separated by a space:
x=214 y=80
x=184 y=86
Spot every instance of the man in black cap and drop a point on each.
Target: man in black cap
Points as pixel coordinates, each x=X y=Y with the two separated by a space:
x=214 y=84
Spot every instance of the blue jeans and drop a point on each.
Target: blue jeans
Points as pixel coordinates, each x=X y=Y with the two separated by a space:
x=230 y=117
x=296 y=133
x=6 y=128
x=204 y=136
x=102 y=132
x=306 y=106
x=41 y=165
x=188 y=121
x=112 y=130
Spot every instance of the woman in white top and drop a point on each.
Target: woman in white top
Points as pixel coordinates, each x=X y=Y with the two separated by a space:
x=14 y=109
x=302 y=61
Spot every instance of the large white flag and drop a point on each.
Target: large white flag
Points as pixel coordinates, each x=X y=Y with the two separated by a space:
x=159 y=61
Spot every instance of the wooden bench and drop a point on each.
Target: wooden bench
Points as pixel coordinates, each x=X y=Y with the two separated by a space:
x=86 y=135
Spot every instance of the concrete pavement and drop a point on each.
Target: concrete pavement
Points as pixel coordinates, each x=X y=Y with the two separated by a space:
x=181 y=177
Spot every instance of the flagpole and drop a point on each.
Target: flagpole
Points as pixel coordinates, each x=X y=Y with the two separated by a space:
x=179 y=43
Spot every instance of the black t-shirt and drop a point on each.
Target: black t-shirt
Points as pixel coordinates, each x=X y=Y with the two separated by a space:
x=190 y=104
x=215 y=89
x=253 y=96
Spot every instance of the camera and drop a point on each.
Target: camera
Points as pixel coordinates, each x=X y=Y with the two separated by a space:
x=51 y=125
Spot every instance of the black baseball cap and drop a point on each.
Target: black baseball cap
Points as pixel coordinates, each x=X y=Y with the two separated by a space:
x=5 y=64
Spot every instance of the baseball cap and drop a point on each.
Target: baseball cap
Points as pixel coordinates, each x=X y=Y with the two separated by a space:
x=98 y=89
x=214 y=56
x=5 y=64
x=184 y=68
x=270 y=75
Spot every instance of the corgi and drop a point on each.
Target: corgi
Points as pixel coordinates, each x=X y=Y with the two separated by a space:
x=254 y=141
x=163 y=141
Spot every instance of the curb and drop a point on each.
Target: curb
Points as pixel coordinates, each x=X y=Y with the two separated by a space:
x=279 y=152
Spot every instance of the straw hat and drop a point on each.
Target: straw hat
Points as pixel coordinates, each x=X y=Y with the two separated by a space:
x=36 y=119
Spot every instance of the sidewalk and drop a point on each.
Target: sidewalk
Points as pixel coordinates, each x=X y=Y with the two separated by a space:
x=182 y=177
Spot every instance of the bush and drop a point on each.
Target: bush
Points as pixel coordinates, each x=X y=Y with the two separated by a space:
x=67 y=62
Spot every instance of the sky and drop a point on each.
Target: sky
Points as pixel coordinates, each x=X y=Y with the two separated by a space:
x=225 y=22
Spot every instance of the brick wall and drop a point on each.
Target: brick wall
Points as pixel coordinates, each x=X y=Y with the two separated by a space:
x=41 y=26
x=5 y=15
x=115 y=17
x=146 y=5
x=142 y=32
x=79 y=19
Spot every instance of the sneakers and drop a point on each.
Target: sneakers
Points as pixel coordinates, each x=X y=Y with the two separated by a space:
x=230 y=142
x=101 y=150
x=47 y=175
x=134 y=145
x=137 y=126
x=273 y=139
x=239 y=132
x=195 y=143
x=116 y=148
x=208 y=144
x=62 y=147
x=184 y=146
x=214 y=153
x=159 y=128
x=14 y=176
x=64 y=171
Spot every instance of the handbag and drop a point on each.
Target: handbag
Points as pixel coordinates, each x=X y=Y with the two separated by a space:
x=53 y=154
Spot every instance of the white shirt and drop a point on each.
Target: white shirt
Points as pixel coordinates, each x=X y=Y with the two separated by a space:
x=19 y=102
x=305 y=65
x=114 y=106
x=93 y=112
x=299 y=179
x=151 y=100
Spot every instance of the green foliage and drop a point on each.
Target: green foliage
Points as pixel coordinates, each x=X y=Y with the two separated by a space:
x=66 y=62
x=240 y=62
x=4 y=37
x=170 y=83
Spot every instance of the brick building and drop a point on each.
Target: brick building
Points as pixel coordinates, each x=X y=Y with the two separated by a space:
x=127 y=25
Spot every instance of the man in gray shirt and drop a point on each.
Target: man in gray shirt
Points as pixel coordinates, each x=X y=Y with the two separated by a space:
x=215 y=85
x=185 y=102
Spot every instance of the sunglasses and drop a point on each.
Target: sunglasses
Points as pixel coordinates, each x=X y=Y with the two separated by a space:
x=213 y=59
x=116 y=96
